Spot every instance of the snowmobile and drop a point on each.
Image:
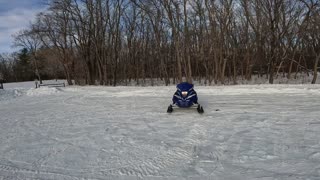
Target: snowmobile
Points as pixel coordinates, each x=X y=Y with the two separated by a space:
x=185 y=97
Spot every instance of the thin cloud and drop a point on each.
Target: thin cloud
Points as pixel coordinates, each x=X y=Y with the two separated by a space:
x=13 y=19
x=9 y=5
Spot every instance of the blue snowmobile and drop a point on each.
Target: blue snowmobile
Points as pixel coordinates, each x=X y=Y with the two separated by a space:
x=185 y=97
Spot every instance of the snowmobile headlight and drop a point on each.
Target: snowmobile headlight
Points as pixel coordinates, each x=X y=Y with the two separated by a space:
x=184 y=93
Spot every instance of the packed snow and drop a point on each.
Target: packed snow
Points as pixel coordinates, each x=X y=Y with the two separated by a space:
x=95 y=132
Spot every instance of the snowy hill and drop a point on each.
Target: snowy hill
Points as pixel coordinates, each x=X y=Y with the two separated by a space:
x=261 y=132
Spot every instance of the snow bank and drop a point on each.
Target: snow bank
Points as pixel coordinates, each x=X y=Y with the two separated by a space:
x=260 y=89
x=9 y=94
x=42 y=91
x=19 y=89
x=6 y=94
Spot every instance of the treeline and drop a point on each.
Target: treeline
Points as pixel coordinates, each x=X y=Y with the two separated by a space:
x=20 y=66
x=108 y=42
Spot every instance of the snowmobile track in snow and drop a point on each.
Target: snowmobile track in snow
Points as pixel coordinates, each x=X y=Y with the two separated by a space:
x=125 y=133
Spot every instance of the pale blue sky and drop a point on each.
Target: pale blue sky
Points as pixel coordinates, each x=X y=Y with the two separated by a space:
x=16 y=15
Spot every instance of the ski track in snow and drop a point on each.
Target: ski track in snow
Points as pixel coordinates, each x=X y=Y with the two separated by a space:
x=261 y=132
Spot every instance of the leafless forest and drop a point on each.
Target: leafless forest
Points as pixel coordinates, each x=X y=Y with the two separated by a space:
x=108 y=42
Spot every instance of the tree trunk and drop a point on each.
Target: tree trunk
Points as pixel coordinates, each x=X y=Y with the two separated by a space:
x=315 y=69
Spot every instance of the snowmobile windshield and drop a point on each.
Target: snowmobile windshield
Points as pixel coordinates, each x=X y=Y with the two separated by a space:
x=184 y=86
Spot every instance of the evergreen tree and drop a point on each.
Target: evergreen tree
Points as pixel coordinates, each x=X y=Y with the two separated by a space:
x=23 y=67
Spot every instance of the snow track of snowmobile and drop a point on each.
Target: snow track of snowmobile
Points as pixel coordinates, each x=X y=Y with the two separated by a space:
x=125 y=133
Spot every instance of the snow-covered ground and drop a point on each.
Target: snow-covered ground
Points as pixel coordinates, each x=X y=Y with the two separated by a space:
x=261 y=132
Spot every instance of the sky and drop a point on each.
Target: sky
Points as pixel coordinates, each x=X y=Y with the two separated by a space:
x=16 y=15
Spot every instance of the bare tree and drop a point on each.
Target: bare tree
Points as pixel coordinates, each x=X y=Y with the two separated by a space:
x=28 y=39
x=111 y=42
